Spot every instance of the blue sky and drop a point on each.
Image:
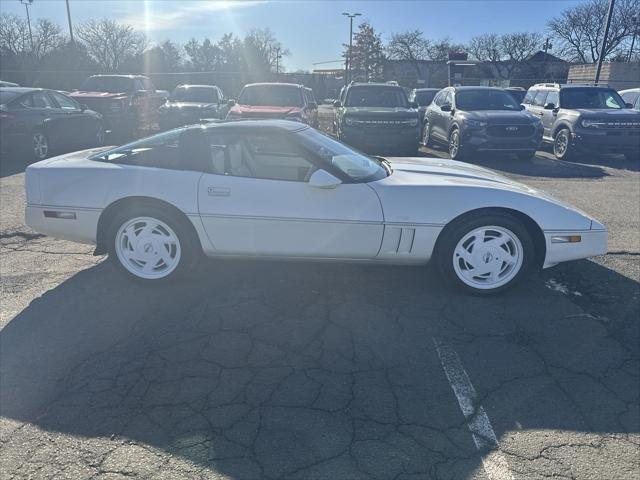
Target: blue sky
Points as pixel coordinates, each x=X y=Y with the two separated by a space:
x=312 y=30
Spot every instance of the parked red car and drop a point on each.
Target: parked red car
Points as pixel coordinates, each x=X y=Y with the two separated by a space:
x=288 y=101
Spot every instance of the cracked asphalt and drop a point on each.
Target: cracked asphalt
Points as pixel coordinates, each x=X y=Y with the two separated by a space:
x=253 y=370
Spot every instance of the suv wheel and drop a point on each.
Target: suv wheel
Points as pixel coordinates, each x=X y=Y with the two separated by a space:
x=426 y=135
x=562 y=147
x=456 y=149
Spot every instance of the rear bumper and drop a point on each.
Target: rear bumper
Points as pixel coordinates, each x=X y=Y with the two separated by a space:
x=82 y=229
x=593 y=242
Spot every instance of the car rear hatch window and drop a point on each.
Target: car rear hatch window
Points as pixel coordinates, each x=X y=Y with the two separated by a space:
x=271 y=95
x=107 y=84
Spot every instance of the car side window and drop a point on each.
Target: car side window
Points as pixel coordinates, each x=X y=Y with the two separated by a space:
x=26 y=101
x=528 y=98
x=65 y=103
x=553 y=98
x=540 y=98
x=41 y=100
x=254 y=155
x=147 y=84
x=138 y=85
x=163 y=150
x=448 y=98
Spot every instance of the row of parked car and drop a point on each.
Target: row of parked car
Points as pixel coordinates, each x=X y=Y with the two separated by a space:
x=43 y=121
x=467 y=120
x=374 y=117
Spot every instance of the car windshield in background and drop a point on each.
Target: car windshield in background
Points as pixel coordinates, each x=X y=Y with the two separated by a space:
x=368 y=96
x=107 y=84
x=518 y=95
x=352 y=163
x=271 y=95
x=590 y=98
x=6 y=96
x=470 y=100
x=195 y=94
x=425 y=98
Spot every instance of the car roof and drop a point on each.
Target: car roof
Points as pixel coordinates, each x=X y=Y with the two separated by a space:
x=284 y=125
x=464 y=88
x=189 y=85
x=374 y=84
x=21 y=90
x=297 y=85
x=119 y=76
x=630 y=90
x=427 y=89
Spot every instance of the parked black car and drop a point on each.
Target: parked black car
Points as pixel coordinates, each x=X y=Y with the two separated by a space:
x=42 y=121
x=191 y=103
x=473 y=119
x=376 y=117
x=423 y=97
x=585 y=119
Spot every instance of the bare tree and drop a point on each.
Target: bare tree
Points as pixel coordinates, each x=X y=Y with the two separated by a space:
x=47 y=37
x=410 y=46
x=579 y=29
x=14 y=34
x=110 y=43
x=262 y=50
x=503 y=54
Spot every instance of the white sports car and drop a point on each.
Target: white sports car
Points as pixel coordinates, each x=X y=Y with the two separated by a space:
x=280 y=189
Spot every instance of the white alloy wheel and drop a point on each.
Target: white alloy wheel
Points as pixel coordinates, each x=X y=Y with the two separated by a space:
x=488 y=257
x=40 y=146
x=147 y=248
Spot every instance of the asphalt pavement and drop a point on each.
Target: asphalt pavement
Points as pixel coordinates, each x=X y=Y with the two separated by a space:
x=254 y=370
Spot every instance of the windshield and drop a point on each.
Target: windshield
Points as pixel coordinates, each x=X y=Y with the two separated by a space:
x=425 y=98
x=139 y=147
x=590 y=98
x=374 y=96
x=470 y=100
x=352 y=163
x=107 y=84
x=195 y=94
x=271 y=95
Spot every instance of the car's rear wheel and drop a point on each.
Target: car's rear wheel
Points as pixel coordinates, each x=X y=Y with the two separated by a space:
x=485 y=255
x=563 y=149
x=150 y=245
x=39 y=145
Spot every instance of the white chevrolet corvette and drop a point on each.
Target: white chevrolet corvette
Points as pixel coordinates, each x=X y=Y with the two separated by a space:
x=279 y=189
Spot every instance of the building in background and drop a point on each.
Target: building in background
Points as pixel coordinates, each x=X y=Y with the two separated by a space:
x=618 y=75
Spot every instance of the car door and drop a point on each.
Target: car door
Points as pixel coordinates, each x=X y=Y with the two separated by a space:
x=537 y=103
x=548 y=116
x=53 y=119
x=440 y=119
x=80 y=127
x=256 y=200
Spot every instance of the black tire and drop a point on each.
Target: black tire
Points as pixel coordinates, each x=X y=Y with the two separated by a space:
x=524 y=156
x=39 y=146
x=426 y=136
x=189 y=245
x=456 y=231
x=563 y=148
x=457 y=150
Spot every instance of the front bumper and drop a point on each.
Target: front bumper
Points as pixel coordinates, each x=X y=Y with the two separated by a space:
x=607 y=140
x=480 y=140
x=82 y=227
x=379 y=139
x=592 y=243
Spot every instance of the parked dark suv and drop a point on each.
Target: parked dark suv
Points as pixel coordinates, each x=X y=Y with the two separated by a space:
x=377 y=117
x=190 y=104
x=473 y=119
x=584 y=118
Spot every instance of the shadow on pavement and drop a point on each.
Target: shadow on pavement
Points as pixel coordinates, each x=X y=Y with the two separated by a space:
x=269 y=370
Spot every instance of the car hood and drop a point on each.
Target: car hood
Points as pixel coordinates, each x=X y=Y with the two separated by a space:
x=238 y=108
x=456 y=187
x=500 y=117
x=82 y=94
x=595 y=113
x=377 y=112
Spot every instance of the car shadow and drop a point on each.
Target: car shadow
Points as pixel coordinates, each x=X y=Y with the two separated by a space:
x=542 y=165
x=298 y=370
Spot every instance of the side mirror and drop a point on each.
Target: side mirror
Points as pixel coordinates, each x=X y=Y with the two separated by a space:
x=628 y=105
x=323 y=179
x=414 y=105
x=446 y=107
x=337 y=104
x=549 y=106
x=231 y=102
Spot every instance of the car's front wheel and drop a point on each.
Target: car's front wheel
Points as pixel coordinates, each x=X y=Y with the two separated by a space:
x=457 y=151
x=150 y=245
x=39 y=145
x=563 y=147
x=485 y=255
x=426 y=135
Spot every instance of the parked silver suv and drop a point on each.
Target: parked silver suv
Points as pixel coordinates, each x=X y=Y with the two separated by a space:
x=585 y=118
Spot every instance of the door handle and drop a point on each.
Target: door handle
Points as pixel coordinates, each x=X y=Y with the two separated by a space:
x=541 y=114
x=218 y=192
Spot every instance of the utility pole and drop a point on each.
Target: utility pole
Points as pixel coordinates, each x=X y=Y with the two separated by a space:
x=348 y=62
x=69 y=20
x=278 y=57
x=547 y=45
x=636 y=26
x=26 y=4
x=603 y=45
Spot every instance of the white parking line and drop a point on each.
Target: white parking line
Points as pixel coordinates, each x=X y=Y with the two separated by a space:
x=494 y=462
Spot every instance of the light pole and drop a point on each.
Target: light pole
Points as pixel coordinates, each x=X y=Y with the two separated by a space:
x=603 y=45
x=26 y=4
x=347 y=69
x=636 y=26
x=69 y=20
